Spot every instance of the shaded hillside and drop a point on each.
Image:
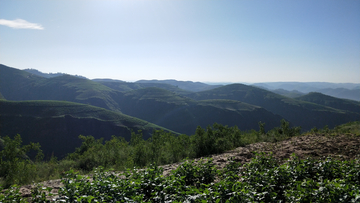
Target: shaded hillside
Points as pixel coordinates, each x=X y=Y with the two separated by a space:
x=171 y=108
x=183 y=115
x=286 y=93
x=20 y=85
x=56 y=125
x=128 y=86
x=155 y=105
x=343 y=104
x=185 y=85
x=299 y=113
x=353 y=94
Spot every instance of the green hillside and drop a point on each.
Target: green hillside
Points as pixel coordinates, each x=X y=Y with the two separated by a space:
x=343 y=104
x=286 y=93
x=128 y=86
x=299 y=113
x=169 y=106
x=20 y=85
x=183 y=115
x=185 y=85
x=156 y=105
x=56 y=125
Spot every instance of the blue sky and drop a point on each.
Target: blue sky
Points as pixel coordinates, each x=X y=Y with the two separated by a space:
x=197 y=40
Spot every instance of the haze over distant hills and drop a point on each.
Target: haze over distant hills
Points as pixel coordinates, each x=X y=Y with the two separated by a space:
x=340 y=90
x=289 y=89
x=177 y=106
x=298 y=112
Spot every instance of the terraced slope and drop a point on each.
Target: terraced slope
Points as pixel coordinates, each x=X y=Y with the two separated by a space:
x=299 y=113
x=183 y=115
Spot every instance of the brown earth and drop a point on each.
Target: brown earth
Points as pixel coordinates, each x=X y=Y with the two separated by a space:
x=316 y=145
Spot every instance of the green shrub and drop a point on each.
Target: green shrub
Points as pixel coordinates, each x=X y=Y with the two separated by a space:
x=15 y=165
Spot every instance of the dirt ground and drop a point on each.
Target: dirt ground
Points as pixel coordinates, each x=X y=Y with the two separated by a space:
x=315 y=145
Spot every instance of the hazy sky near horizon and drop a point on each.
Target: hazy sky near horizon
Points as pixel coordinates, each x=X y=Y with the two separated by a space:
x=197 y=40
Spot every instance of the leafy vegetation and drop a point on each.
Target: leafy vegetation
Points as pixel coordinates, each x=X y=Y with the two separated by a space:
x=264 y=179
x=16 y=167
x=162 y=148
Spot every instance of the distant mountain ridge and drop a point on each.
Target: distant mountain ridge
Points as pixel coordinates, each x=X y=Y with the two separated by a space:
x=289 y=89
x=175 y=108
x=185 y=85
x=49 y=75
x=305 y=114
x=305 y=87
x=318 y=98
x=129 y=86
x=339 y=90
x=156 y=105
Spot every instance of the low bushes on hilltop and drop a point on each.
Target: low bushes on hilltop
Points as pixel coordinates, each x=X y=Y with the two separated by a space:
x=118 y=154
x=264 y=179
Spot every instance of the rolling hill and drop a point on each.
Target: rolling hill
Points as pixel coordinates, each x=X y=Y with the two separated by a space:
x=343 y=104
x=128 y=86
x=183 y=115
x=20 y=85
x=286 y=93
x=353 y=94
x=56 y=125
x=185 y=85
x=156 y=105
x=299 y=113
x=174 y=108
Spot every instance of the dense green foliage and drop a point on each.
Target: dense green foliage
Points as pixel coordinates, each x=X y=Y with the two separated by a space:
x=15 y=166
x=264 y=179
x=162 y=148
x=261 y=180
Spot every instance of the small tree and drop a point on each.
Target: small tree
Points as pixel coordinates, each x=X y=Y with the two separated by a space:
x=261 y=128
x=15 y=166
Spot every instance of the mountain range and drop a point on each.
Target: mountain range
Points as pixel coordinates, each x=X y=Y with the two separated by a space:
x=340 y=90
x=58 y=109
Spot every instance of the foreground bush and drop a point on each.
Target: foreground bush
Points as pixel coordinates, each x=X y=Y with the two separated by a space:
x=261 y=180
